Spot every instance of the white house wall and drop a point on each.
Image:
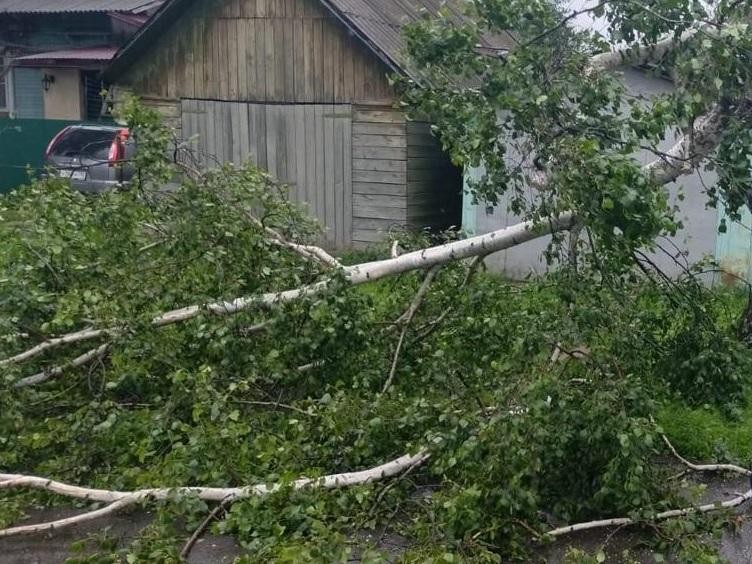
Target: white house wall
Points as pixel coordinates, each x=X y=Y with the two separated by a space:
x=697 y=239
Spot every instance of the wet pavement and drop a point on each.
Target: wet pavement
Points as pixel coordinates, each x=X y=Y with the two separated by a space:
x=735 y=547
x=54 y=548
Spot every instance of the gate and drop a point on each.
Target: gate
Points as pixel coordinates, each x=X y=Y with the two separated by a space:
x=307 y=146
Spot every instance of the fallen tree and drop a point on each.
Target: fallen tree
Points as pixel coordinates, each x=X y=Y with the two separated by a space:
x=120 y=500
x=700 y=142
x=289 y=361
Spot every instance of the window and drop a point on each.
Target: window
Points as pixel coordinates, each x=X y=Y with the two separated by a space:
x=84 y=143
x=96 y=108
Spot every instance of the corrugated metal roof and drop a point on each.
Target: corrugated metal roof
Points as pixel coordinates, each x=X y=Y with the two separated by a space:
x=79 y=54
x=61 y=6
x=380 y=22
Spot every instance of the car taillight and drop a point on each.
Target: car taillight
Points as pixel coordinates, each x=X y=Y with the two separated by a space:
x=54 y=141
x=117 y=149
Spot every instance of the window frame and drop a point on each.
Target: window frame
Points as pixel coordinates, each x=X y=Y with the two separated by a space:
x=6 y=82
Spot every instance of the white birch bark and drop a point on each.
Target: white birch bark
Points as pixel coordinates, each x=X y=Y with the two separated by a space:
x=120 y=499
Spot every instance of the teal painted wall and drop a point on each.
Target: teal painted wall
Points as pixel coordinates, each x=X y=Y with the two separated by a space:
x=22 y=146
x=733 y=249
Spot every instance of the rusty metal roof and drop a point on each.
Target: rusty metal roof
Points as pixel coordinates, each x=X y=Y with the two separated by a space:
x=61 y=6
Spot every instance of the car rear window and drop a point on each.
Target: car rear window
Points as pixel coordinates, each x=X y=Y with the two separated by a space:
x=89 y=143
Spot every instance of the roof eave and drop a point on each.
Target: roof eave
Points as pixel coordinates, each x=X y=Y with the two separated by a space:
x=389 y=61
x=81 y=64
x=135 y=47
x=170 y=11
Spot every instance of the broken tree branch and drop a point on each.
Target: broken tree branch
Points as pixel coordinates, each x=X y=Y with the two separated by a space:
x=408 y=317
x=366 y=272
x=384 y=490
x=277 y=405
x=623 y=521
x=699 y=142
x=395 y=249
x=310 y=252
x=78 y=336
x=689 y=151
x=705 y=467
x=202 y=527
x=431 y=326
x=56 y=371
x=68 y=521
x=475 y=264
x=706 y=508
x=123 y=499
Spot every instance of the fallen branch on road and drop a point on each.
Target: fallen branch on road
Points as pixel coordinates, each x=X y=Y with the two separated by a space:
x=706 y=508
x=623 y=521
x=118 y=499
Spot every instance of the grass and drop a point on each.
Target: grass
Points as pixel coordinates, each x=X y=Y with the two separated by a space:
x=706 y=435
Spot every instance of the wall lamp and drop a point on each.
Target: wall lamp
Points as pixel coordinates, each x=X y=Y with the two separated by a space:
x=47 y=81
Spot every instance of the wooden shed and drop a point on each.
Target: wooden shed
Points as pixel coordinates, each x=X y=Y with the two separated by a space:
x=301 y=88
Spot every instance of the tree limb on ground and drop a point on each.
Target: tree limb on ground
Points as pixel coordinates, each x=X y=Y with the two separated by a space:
x=56 y=371
x=355 y=275
x=623 y=521
x=76 y=337
x=706 y=508
x=119 y=500
x=700 y=142
x=202 y=527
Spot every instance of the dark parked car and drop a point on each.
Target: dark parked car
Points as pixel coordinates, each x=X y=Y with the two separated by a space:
x=94 y=157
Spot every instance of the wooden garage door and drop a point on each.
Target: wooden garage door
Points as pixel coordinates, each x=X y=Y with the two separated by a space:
x=307 y=146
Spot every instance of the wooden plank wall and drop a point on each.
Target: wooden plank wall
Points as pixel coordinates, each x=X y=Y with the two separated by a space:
x=261 y=51
x=307 y=146
x=379 y=163
x=169 y=109
x=434 y=184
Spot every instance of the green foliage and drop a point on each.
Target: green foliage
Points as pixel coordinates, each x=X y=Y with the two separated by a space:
x=537 y=110
x=705 y=433
x=515 y=439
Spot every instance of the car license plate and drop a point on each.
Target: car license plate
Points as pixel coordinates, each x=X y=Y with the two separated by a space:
x=73 y=174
